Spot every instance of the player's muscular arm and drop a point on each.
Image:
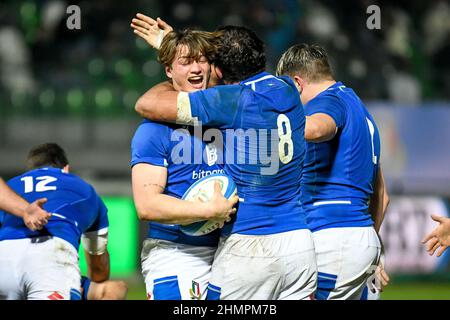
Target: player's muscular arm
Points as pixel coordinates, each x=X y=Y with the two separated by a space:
x=98 y=266
x=379 y=200
x=159 y=103
x=148 y=183
x=32 y=214
x=319 y=127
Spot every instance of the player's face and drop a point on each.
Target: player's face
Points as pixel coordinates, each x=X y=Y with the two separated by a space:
x=188 y=74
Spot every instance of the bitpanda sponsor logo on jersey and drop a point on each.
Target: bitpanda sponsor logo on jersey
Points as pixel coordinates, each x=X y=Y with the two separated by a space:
x=204 y=173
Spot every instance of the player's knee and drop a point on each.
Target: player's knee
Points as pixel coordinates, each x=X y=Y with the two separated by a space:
x=117 y=290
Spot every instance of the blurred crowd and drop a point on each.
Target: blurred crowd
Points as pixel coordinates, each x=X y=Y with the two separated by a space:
x=101 y=69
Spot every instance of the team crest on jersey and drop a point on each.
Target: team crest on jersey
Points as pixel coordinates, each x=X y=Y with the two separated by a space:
x=195 y=291
x=211 y=153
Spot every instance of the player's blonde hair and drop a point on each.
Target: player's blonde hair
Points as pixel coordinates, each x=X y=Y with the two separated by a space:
x=199 y=43
x=307 y=61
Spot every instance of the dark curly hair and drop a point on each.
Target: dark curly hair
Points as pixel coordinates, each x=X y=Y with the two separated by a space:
x=240 y=55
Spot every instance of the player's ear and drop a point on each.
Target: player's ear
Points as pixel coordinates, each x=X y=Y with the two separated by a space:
x=216 y=71
x=214 y=78
x=299 y=83
x=168 y=71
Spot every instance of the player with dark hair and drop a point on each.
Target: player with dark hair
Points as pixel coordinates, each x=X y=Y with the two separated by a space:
x=43 y=264
x=267 y=252
x=235 y=66
x=343 y=190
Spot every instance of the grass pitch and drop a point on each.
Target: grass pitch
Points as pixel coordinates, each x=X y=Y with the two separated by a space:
x=417 y=290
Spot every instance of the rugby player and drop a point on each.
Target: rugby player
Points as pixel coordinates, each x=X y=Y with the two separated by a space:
x=90 y=290
x=43 y=264
x=343 y=190
x=176 y=266
x=267 y=252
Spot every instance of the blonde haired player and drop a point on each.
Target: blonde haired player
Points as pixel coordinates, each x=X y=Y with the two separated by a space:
x=175 y=266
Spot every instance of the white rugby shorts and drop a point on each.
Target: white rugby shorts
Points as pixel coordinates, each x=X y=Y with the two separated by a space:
x=175 y=271
x=279 y=266
x=346 y=258
x=42 y=268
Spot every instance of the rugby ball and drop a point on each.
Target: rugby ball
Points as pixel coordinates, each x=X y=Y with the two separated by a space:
x=203 y=190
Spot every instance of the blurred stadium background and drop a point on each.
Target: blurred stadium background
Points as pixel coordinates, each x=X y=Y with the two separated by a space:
x=78 y=88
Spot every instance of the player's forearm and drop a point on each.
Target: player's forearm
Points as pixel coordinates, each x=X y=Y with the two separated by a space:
x=170 y=210
x=159 y=103
x=98 y=266
x=11 y=201
x=318 y=130
x=376 y=211
x=379 y=201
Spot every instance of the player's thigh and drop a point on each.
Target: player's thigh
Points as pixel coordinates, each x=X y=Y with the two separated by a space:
x=11 y=252
x=301 y=276
x=360 y=256
x=176 y=271
x=345 y=258
x=52 y=271
x=256 y=267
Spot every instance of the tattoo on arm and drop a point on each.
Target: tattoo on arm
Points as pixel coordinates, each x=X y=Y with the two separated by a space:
x=146 y=185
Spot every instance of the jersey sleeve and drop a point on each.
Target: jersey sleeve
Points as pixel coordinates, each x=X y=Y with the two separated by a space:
x=216 y=107
x=149 y=144
x=101 y=223
x=329 y=105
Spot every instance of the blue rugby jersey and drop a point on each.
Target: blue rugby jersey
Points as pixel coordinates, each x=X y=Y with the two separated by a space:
x=339 y=174
x=263 y=122
x=75 y=206
x=181 y=151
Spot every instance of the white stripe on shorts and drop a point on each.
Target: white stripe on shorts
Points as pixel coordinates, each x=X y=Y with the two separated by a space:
x=320 y=203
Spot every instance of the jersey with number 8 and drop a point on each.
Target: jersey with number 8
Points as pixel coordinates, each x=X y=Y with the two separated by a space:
x=262 y=121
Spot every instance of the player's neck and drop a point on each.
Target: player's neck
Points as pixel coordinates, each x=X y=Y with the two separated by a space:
x=318 y=87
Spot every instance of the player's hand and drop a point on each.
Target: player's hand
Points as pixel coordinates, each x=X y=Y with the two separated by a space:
x=35 y=218
x=152 y=31
x=381 y=276
x=438 y=239
x=220 y=207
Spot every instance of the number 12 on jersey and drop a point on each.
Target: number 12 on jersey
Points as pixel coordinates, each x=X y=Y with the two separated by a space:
x=40 y=185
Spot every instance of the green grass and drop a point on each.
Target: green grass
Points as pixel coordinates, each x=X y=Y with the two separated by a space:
x=417 y=291
x=399 y=290
x=136 y=291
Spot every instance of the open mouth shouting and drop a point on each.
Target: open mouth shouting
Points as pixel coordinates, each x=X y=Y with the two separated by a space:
x=197 y=81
